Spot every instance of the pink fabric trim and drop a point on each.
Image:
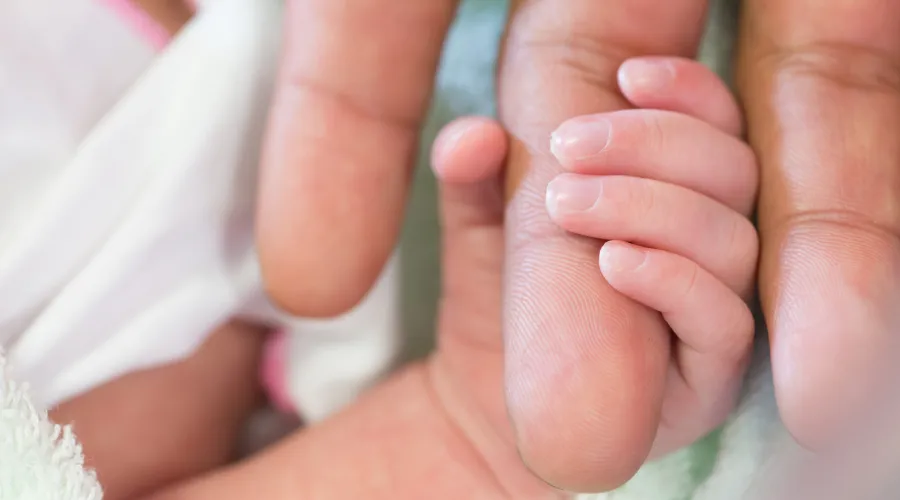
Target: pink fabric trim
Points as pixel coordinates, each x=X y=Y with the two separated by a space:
x=274 y=373
x=148 y=28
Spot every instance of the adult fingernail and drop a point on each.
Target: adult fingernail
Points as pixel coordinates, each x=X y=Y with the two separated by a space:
x=621 y=257
x=579 y=139
x=570 y=194
x=645 y=75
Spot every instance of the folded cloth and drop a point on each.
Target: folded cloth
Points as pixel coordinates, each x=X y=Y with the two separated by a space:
x=128 y=195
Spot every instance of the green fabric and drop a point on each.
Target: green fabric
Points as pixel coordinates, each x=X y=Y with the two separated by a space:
x=466 y=86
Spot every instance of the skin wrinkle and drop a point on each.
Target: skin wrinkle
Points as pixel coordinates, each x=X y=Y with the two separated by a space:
x=404 y=124
x=850 y=66
x=823 y=104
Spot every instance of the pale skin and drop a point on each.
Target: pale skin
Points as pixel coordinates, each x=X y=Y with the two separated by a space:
x=819 y=81
x=440 y=429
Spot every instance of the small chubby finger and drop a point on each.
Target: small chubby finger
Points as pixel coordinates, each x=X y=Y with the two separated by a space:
x=467 y=158
x=469 y=149
x=658 y=215
x=662 y=145
x=704 y=313
x=713 y=325
x=681 y=85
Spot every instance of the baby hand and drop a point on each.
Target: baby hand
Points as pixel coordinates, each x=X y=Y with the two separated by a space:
x=670 y=187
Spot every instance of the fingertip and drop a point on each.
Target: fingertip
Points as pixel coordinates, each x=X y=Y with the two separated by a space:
x=306 y=288
x=469 y=149
x=681 y=85
x=618 y=258
x=834 y=352
x=640 y=77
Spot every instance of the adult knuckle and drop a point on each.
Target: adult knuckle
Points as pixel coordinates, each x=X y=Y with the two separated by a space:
x=582 y=55
x=568 y=46
x=838 y=221
x=349 y=103
x=847 y=66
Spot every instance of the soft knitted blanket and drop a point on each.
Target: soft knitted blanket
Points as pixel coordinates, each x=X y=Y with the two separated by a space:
x=39 y=460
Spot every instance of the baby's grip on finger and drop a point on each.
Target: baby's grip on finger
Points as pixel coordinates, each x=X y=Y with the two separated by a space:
x=713 y=326
x=705 y=314
x=658 y=215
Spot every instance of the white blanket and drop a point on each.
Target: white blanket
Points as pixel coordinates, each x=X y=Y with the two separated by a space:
x=127 y=200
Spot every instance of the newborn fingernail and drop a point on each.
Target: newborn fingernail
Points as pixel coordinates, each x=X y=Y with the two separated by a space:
x=579 y=139
x=645 y=74
x=571 y=194
x=621 y=257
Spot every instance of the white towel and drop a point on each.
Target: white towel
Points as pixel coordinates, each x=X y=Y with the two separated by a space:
x=38 y=459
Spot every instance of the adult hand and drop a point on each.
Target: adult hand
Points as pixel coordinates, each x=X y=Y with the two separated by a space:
x=355 y=83
x=586 y=367
x=821 y=83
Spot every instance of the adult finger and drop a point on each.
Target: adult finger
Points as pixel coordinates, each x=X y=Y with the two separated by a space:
x=355 y=82
x=585 y=366
x=821 y=83
x=714 y=328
